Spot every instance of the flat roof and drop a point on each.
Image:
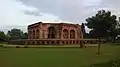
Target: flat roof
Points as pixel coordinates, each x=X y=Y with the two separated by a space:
x=49 y=22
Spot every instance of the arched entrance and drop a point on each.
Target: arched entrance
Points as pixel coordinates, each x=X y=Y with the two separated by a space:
x=37 y=34
x=51 y=32
x=72 y=34
x=65 y=34
x=33 y=34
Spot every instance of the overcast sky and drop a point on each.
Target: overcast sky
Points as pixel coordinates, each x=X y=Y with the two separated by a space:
x=20 y=13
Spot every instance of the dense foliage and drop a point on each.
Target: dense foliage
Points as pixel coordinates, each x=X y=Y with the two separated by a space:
x=13 y=34
x=16 y=34
x=103 y=24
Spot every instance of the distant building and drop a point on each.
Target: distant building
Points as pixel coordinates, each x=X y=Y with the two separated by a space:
x=54 y=33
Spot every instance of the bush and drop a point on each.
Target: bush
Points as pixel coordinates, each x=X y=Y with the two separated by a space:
x=25 y=46
x=1 y=45
x=17 y=46
x=4 y=47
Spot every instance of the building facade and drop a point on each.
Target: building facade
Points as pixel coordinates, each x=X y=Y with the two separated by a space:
x=54 y=33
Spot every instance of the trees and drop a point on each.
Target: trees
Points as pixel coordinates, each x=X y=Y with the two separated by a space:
x=2 y=36
x=83 y=28
x=25 y=35
x=16 y=34
x=86 y=35
x=13 y=34
x=103 y=24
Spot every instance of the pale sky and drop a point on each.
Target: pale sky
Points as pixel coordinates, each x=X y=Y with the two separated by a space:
x=21 y=13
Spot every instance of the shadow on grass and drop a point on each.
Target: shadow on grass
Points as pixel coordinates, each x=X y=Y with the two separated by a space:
x=116 y=43
x=112 y=63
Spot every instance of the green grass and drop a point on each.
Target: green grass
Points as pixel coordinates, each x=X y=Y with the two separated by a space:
x=57 y=57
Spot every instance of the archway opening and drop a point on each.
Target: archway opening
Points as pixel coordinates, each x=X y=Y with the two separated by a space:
x=37 y=34
x=72 y=34
x=33 y=34
x=65 y=34
x=51 y=32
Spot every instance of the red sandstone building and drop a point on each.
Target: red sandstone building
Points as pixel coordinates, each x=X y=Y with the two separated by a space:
x=54 y=33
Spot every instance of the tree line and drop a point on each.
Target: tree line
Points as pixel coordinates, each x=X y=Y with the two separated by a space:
x=13 y=34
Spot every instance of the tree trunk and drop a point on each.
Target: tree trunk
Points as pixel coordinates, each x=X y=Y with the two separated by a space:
x=99 y=46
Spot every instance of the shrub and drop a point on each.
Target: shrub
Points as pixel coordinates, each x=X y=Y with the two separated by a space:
x=25 y=46
x=4 y=47
x=17 y=46
x=1 y=45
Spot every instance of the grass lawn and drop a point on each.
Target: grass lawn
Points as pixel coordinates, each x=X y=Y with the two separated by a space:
x=57 y=57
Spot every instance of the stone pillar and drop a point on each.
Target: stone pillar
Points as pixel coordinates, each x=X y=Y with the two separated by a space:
x=45 y=34
x=60 y=42
x=57 y=33
x=35 y=33
x=61 y=36
x=35 y=42
x=40 y=42
x=40 y=31
x=75 y=34
x=45 y=42
x=31 y=35
x=68 y=34
x=78 y=34
x=39 y=34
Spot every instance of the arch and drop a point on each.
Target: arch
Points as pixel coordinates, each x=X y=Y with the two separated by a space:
x=91 y=42
x=28 y=42
x=77 y=42
x=37 y=34
x=51 y=32
x=33 y=34
x=38 y=43
x=67 y=42
x=63 y=42
x=57 y=42
x=47 y=42
x=65 y=34
x=52 y=42
x=72 y=34
x=33 y=42
x=73 y=42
